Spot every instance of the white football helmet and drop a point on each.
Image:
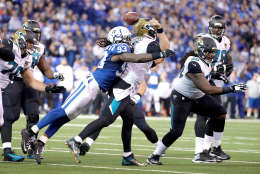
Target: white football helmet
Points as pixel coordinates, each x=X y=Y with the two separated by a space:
x=119 y=34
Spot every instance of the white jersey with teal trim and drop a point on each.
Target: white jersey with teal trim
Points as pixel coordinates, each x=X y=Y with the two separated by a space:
x=222 y=49
x=14 y=67
x=134 y=73
x=184 y=85
x=35 y=56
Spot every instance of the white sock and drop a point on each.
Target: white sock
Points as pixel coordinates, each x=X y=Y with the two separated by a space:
x=256 y=114
x=35 y=129
x=7 y=145
x=78 y=139
x=208 y=140
x=217 y=138
x=159 y=148
x=126 y=154
x=155 y=144
x=43 y=139
x=89 y=141
x=248 y=114
x=199 y=145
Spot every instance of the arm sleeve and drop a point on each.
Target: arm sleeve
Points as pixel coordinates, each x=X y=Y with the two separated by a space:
x=153 y=47
x=194 y=67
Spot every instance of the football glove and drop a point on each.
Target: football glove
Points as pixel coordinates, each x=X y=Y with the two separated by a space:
x=136 y=98
x=54 y=89
x=241 y=87
x=219 y=76
x=167 y=53
x=58 y=76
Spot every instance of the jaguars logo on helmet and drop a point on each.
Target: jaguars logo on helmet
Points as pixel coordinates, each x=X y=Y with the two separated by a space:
x=143 y=28
x=217 y=27
x=205 y=48
x=33 y=26
x=22 y=36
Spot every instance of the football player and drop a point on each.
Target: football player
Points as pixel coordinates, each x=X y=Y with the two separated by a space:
x=19 y=63
x=124 y=96
x=222 y=63
x=26 y=97
x=111 y=65
x=191 y=94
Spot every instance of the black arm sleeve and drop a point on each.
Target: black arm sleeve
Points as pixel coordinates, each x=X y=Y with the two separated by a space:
x=194 y=67
x=6 y=53
x=153 y=47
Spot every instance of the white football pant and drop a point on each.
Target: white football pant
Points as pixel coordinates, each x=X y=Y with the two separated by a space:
x=80 y=96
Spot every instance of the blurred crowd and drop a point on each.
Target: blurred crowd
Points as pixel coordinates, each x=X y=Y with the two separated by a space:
x=70 y=28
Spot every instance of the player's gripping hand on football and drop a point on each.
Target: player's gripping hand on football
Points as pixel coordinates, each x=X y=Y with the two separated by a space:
x=153 y=22
x=54 y=89
x=58 y=76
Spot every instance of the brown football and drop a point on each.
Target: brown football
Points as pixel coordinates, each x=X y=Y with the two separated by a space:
x=131 y=18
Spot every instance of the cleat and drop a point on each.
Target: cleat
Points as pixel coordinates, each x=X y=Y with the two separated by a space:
x=204 y=157
x=27 y=140
x=74 y=148
x=154 y=160
x=131 y=161
x=219 y=153
x=13 y=157
x=163 y=154
x=83 y=149
x=38 y=150
x=32 y=156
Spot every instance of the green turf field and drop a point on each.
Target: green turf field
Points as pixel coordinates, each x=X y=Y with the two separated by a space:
x=241 y=141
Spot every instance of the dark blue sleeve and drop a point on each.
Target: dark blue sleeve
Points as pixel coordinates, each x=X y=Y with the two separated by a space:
x=194 y=67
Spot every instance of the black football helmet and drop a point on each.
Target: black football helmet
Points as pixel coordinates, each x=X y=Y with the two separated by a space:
x=33 y=26
x=217 y=26
x=25 y=40
x=205 y=48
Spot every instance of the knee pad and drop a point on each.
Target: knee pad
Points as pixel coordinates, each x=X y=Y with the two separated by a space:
x=32 y=119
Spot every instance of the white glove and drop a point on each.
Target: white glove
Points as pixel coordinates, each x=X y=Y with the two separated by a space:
x=241 y=87
x=136 y=98
x=58 y=76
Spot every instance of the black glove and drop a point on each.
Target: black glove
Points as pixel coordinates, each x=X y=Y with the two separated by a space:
x=219 y=76
x=167 y=53
x=58 y=76
x=54 y=89
x=224 y=69
x=241 y=87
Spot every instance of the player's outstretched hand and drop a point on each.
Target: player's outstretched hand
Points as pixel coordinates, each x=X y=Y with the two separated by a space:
x=167 y=53
x=54 y=89
x=241 y=87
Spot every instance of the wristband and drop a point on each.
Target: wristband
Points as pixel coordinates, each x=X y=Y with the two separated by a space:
x=227 y=90
x=157 y=55
x=139 y=94
x=160 y=30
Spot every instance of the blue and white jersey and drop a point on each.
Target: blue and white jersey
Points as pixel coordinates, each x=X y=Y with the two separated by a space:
x=107 y=71
x=153 y=81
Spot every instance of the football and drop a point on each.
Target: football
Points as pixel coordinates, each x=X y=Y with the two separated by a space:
x=131 y=18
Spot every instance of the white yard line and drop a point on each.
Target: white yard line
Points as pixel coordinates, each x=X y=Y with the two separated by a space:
x=92 y=116
x=65 y=150
x=109 y=168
